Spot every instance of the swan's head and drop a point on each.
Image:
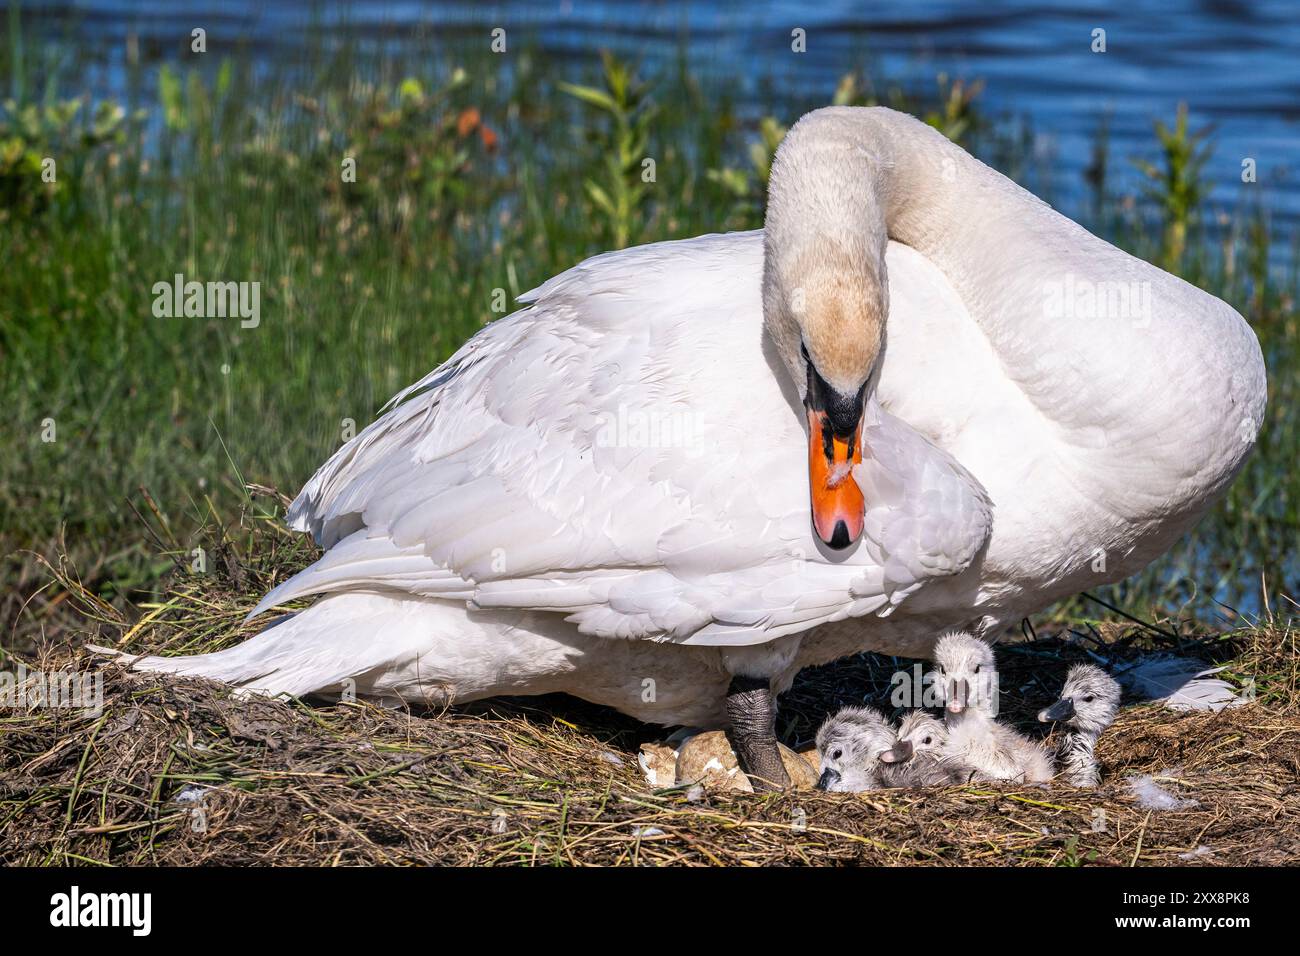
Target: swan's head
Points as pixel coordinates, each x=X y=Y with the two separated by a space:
x=1089 y=700
x=824 y=306
x=851 y=744
x=918 y=733
x=968 y=675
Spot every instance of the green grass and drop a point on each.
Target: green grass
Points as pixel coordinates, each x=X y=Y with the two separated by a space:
x=231 y=173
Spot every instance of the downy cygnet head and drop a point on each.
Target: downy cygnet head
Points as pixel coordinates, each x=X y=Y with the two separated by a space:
x=918 y=734
x=851 y=743
x=1089 y=700
x=967 y=673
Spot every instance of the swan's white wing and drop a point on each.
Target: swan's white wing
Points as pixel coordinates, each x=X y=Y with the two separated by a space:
x=623 y=453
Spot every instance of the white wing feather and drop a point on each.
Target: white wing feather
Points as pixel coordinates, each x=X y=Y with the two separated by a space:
x=623 y=452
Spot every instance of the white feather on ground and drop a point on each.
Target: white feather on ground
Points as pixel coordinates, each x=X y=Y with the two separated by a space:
x=1183 y=683
x=1152 y=796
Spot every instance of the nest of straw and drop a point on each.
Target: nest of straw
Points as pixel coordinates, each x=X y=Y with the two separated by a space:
x=178 y=772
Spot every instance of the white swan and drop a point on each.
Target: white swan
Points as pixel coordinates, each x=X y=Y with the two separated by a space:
x=607 y=493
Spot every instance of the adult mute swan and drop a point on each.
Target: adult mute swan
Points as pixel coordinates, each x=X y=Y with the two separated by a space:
x=608 y=492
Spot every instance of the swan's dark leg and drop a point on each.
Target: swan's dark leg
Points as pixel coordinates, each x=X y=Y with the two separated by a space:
x=751 y=707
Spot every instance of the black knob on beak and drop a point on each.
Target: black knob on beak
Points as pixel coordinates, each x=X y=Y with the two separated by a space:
x=843 y=411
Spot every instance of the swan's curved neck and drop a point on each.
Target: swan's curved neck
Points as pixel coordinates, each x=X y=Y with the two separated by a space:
x=854 y=179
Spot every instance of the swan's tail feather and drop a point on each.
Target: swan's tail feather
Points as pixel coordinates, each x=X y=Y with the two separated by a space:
x=368 y=560
x=348 y=641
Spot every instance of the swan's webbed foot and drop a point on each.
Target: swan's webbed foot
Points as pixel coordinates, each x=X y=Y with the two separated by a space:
x=751 y=707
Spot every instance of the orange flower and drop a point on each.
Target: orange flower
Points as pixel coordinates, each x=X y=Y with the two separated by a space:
x=467 y=122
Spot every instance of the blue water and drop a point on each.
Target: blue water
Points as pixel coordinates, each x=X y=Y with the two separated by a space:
x=1237 y=64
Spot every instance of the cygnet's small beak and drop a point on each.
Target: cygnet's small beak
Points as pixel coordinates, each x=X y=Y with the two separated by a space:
x=828 y=779
x=901 y=753
x=834 y=447
x=1063 y=709
x=959 y=697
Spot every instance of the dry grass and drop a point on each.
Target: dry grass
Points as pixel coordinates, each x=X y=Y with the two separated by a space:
x=555 y=781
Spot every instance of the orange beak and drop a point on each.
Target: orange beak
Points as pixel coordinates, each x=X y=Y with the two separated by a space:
x=837 y=505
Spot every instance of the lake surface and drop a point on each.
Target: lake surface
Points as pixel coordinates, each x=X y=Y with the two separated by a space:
x=1237 y=64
